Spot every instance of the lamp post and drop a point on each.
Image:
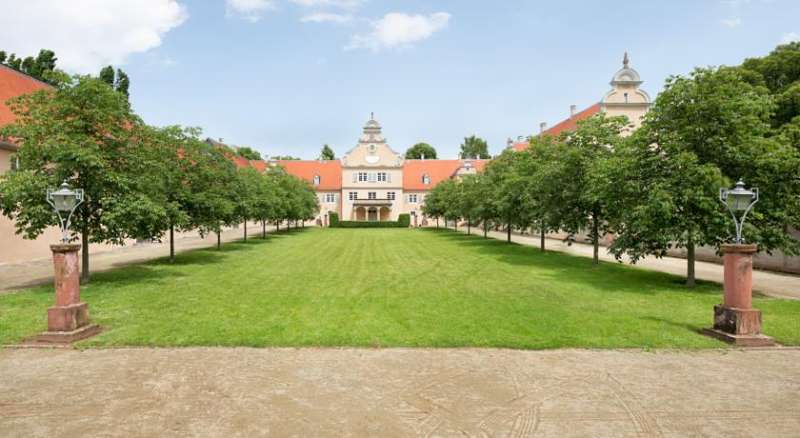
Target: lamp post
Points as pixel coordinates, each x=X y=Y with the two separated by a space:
x=68 y=320
x=735 y=320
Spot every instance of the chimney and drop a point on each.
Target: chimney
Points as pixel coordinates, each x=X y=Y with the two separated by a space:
x=542 y=127
x=220 y=140
x=572 y=109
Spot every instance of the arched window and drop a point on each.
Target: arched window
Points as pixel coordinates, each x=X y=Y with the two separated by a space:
x=426 y=179
x=317 y=180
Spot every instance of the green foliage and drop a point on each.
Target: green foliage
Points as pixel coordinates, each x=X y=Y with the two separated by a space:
x=333 y=220
x=404 y=219
x=474 y=147
x=327 y=153
x=284 y=158
x=374 y=224
x=420 y=150
x=41 y=67
x=118 y=80
x=247 y=152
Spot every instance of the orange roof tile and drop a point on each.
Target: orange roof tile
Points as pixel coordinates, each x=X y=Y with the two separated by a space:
x=571 y=123
x=437 y=170
x=13 y=84
x=520 y=146
x=330 y=172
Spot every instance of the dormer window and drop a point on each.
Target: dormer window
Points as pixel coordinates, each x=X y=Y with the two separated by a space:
x=426 y=179
x=372 y=148
x=317 y=180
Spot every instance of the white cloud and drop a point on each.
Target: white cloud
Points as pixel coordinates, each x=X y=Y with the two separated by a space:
x=89 y=36
x=731 y=22
x=342 y=4
x=790 y=37
x=250 y=10
x=396 y=29
x=326 y=17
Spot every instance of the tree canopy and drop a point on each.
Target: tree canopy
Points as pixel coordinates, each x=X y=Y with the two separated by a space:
x=474 y=147
x=327 y=153
x=420 y=151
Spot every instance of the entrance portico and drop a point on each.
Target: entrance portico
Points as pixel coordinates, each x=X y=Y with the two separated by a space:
x=372 y=210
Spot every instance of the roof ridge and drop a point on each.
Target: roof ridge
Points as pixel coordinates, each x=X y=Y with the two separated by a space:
x=25 y=75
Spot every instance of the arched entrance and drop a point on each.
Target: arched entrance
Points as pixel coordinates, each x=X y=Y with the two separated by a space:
x=384 y=214
x=360 y=213
x=372 y=214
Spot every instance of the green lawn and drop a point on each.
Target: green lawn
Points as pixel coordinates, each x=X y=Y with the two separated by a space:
x=388 y=287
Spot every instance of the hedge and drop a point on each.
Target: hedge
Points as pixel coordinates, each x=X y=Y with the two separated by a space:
x=404 y=219
x=333 y=220
x=371 y=224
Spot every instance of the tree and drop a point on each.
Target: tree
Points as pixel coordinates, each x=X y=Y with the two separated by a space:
x=284 y=158
x=249 y=153
x=81 y=132
x=421 y=151
x=474 y=147
x=39 y=67
x=327 y=153
x=703 y=132
x=580 y=206
x=118 y=80
x=509 y=194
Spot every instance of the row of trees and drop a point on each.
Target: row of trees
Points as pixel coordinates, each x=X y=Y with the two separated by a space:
x=655 y=188
x=140 y=182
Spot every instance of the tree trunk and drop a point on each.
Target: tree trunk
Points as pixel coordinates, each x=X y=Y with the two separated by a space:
x=437 y=223
x=596 y=239
x=277 y=225
x=541 y=237
x=469 y=227
x=485 y=229
x=85 y=255
x=508 y=232
x=245 y=230
x=263 y=229
x=690 y=279
x=455 y=224
x=219 y=238
x=171 y=243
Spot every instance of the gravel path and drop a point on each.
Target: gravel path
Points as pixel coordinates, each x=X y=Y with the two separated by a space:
x=398 y=392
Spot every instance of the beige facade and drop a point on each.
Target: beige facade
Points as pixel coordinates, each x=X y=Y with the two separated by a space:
x=625 y=97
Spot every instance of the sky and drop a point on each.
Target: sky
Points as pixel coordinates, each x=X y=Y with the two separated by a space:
x=287 y=76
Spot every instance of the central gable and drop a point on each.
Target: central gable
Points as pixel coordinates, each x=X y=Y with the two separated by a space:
x=372 y=150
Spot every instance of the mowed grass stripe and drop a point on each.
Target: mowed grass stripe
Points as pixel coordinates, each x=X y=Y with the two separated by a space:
x=390 y=287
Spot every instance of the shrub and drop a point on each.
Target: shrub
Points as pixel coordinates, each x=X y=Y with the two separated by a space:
x=404 y=220
x=362 y=224
x=333 y=220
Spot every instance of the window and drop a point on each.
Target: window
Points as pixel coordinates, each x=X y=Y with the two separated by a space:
x=353 y=196
x=330 y=198
x=371 y=177
x=372 y=195
x=317 y=180
x=390 y=196
x=381 y=176
x=412 y=198
x=626 y=97
x=362 y=176
x=426 y=179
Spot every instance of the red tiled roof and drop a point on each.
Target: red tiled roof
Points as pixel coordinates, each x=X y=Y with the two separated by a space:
x=520 y=146
x=571 y=123
x=13 y=84
x=438 y=170
x=330 y=172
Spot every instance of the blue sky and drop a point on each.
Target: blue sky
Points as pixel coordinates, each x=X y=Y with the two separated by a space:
x=257 y=73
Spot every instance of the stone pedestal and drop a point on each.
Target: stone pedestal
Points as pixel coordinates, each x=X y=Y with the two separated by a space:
x=68 y=320
x=735 y=320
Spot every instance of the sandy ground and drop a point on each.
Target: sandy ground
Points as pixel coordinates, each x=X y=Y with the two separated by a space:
x=398 y=392
x=767 y=283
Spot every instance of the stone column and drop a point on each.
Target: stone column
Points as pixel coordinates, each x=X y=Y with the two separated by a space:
x=68 y=320
x=735 y=320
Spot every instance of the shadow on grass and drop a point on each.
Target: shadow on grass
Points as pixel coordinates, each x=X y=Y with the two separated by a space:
x=608 y=276
x=681 y=325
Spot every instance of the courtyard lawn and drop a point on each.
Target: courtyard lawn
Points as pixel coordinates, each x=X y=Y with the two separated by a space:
x=386 y=288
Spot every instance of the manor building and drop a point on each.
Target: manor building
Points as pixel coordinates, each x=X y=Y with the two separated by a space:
x=373 y=182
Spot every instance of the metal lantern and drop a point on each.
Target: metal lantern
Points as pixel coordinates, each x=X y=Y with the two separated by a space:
x=739 y=201
x=64 y=201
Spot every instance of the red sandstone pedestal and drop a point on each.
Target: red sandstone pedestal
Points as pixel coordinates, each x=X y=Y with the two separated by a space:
x=68 y=320
x=736 y=321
